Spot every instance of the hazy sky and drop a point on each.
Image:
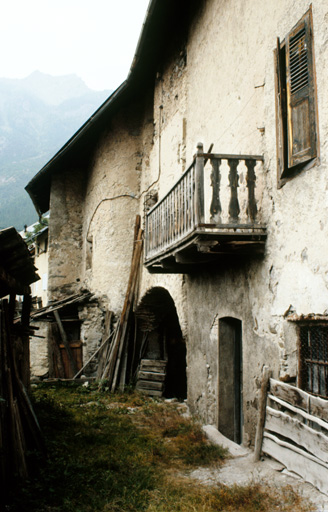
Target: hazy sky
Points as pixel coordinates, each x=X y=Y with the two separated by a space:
x=94 y=39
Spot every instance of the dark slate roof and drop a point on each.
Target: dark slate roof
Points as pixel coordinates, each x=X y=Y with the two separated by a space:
x=165 y=19
x=17 y=270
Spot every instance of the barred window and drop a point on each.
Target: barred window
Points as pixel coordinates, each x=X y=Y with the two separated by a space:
x=313 y=374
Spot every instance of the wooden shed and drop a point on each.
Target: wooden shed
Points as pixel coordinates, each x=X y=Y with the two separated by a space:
x=19 y=429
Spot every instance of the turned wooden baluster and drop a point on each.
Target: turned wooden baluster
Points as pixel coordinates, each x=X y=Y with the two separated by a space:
x=199 y=185
x=233 y=180
x=250 y=179
x=215 y=208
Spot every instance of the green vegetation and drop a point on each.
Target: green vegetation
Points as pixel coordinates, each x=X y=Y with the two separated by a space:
x=38 y=226
x=128 y=453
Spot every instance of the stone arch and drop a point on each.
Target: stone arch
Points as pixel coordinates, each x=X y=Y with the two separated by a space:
x=159 y=336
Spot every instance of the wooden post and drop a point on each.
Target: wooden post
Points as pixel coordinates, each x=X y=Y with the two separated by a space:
x=261 y=416
x=25 y=319
x=199 y=185
x=66 y=342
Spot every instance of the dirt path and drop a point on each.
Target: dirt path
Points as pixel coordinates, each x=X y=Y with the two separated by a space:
x=242 y=470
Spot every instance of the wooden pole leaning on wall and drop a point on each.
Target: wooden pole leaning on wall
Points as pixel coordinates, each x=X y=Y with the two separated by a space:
x=113 y=364
x=124 y=320
x=266 y=373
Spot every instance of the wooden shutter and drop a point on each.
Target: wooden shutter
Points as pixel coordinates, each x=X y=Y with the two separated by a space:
x=301 y=107
x=281 y=108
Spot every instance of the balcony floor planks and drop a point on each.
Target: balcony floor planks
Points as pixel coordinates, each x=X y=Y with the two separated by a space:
x=206 y=244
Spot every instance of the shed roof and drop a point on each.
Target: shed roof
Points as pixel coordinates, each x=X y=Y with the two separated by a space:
x=17 y=270
x=163 y=20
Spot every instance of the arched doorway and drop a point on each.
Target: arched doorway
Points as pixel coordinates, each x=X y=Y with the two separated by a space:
x=230 y=378
x=159 y=337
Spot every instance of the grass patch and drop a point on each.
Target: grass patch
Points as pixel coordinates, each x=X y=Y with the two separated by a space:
x=124 y=453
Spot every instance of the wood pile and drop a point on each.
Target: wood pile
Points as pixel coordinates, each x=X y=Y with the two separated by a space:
x=19 y=428
x=151 y=377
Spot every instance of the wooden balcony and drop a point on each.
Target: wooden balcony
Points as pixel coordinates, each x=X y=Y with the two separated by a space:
x=211 y=211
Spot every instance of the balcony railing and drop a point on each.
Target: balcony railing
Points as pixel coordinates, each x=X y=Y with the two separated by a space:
x=198 y=204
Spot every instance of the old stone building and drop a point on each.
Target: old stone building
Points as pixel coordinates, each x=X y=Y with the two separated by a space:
x=218 y=139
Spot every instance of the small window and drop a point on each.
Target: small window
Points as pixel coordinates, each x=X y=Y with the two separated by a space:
x=313 y=360
x=296 y=104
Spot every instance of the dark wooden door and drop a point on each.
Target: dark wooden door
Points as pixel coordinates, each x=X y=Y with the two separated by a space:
x=230 y=379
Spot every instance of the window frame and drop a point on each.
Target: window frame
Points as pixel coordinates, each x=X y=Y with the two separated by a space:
x=307 y=363
x=283 y=98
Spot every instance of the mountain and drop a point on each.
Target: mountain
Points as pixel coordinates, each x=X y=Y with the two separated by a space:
x=38 y=114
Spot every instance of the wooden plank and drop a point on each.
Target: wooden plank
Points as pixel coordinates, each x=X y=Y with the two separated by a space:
x=61 y=304
x=304 y=414
x=152 y=363
x=290 y=394
x=72 y=344
x=146 y=384
x=157 y=377
x=313 y=441
x=319 y=407
x=261 y=414
x=303 y=464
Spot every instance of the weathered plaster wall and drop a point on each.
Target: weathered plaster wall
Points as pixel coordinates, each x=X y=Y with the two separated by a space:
x=65 y=242
x=224 y=94
x=168 y=158
x=216 y=88
x=110 y=208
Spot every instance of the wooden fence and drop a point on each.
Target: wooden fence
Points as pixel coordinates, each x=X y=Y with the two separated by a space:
x=296 y=432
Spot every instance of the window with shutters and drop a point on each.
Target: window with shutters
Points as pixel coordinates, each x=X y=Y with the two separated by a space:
x=296 y=105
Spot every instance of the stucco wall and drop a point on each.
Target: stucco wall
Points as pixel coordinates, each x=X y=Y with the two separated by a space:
x=110 y=207
x=224 y=94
